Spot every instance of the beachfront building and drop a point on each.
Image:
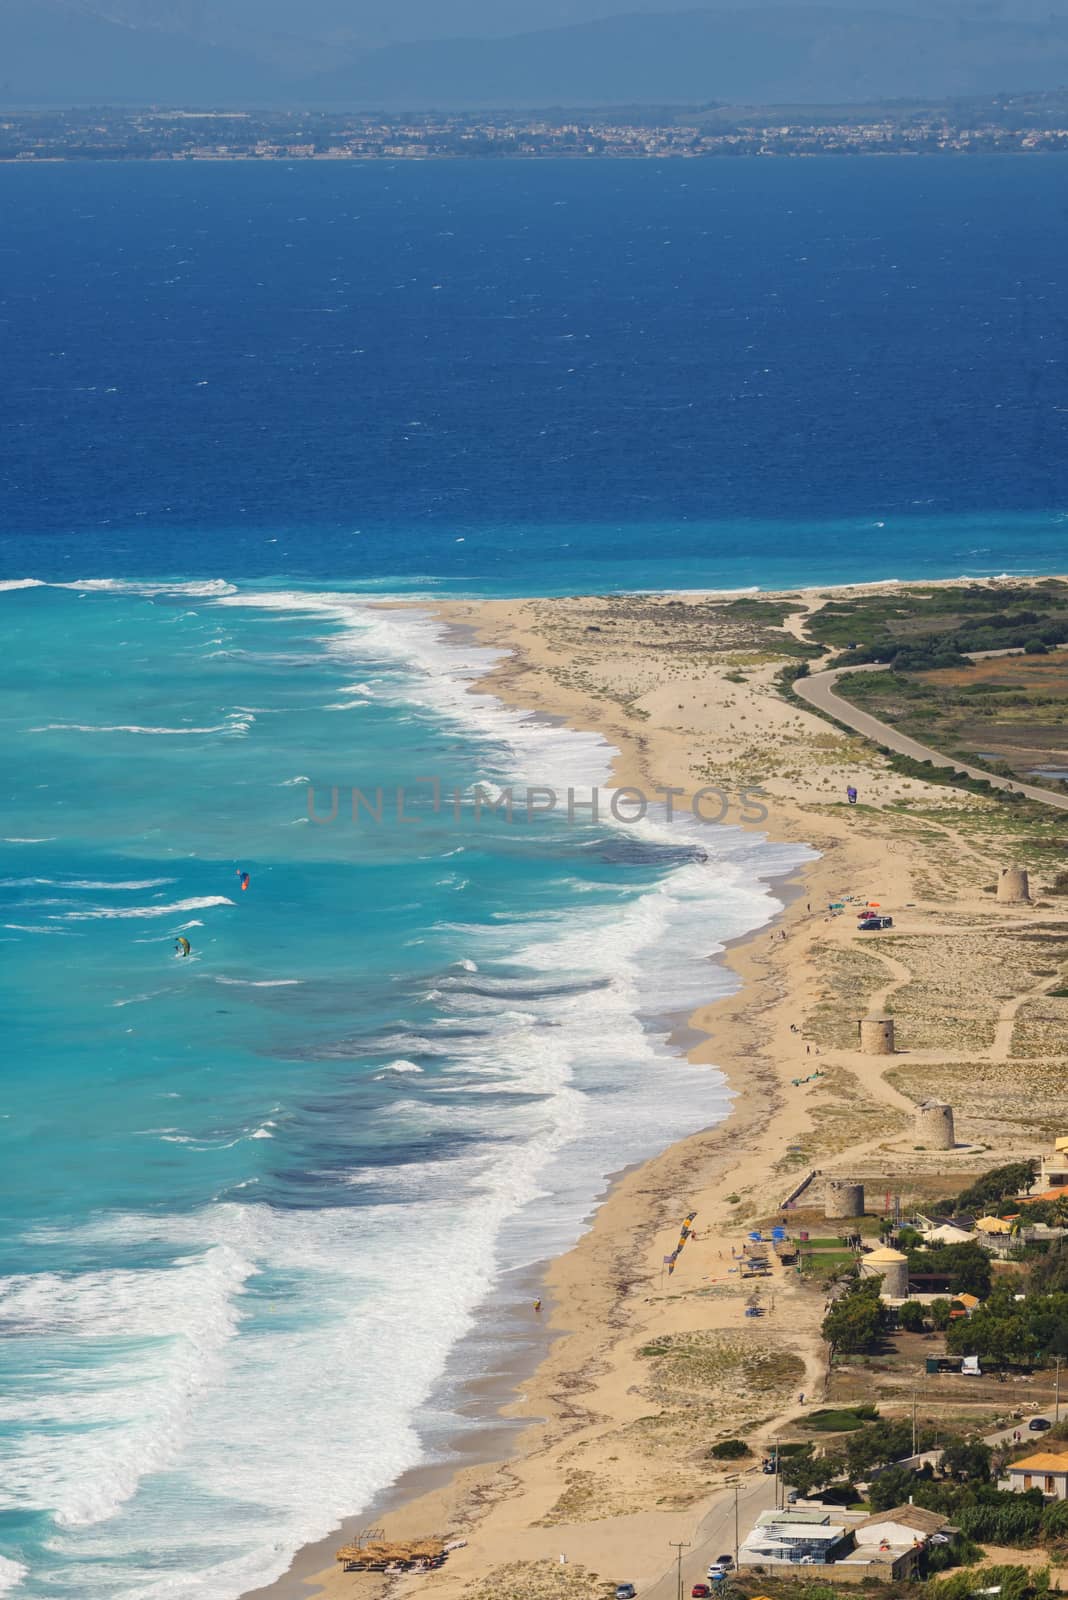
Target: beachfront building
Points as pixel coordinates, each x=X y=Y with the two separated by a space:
x=995 y=1234
x=843 y=1545
x=791 y=1537
x=1053 y=1170
x=1044 y=1471
x=946 y=1230
x=904 y=1525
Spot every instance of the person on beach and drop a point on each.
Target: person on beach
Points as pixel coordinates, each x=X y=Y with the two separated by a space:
x=537 y=1305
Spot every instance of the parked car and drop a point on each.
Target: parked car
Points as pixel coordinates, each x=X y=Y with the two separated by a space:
x=875 y=924
x=726 y=1562
x=625 y=1591
x=1039 y=1424
x=791 y=1498
x=700 y=1591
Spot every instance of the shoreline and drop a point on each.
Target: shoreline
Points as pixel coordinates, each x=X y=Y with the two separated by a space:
x=559 y=1490
x=498 y=1401
x=502 y=1398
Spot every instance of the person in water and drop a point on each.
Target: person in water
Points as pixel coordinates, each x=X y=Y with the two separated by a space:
x=182 y=946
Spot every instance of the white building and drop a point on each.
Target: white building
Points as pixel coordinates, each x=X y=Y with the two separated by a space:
x=1044 y=1471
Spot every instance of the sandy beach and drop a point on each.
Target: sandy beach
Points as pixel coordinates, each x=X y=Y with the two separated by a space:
x=640 y=1373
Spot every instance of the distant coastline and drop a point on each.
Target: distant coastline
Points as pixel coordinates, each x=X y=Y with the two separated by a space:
x=1006 y=125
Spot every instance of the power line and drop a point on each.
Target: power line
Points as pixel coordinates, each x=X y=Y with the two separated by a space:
x=679 y=1546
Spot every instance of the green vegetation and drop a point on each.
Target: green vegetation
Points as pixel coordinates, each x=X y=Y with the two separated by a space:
x=952 y=777
x=729 y=1450
x=1010 y=1583
x=1006 y=713
x=826 y=1263
x=1009 y=1330
x=986 y=1194
x=930 y=626
x=981 y=1511
x=751 y=608
x=839 y=1419
x=877 y=1443
x=911 y=1317
x=967 y=1267
x=856 y=1320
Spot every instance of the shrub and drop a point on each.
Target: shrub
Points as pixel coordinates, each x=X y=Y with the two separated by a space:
x=729 y=1450
x=839 y=1419
x=1012 y=1583
x=992 y=1188
x=911 y=1317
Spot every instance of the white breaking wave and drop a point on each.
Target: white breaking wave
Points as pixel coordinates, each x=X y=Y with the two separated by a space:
x=11 y=1572
x=82 y=883
x=398 y=1069
x=193 y=1306
x=22 y=583
x=206 y=589
x=238 y=723
x=198 y=903
x=437 y=669
x=261 y=983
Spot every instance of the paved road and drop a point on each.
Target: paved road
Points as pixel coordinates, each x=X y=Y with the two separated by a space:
x=715 y=1535
x=1026 y=1436
x=818 y=691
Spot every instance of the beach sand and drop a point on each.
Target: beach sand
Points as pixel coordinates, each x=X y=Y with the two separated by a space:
x=645 y=1372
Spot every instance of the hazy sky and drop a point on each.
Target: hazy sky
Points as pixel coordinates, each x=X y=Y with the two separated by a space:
x=376 y=22
x=442 y=53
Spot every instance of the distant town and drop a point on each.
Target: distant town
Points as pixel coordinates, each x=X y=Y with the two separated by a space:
x=1022 y=123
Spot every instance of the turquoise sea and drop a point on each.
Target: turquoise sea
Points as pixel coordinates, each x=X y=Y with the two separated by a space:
x=252 y=1200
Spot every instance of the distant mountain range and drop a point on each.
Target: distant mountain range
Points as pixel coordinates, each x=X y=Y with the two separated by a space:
x=272 y=53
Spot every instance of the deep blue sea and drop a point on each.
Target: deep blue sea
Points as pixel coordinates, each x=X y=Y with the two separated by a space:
x=253 y=1199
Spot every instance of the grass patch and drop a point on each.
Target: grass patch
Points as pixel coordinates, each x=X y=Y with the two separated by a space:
x=839 y=1419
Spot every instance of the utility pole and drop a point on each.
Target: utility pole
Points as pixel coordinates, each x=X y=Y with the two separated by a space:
x=1057 y=1400
x=736 y=1527
x=678 y=1546
x=776 y=1444
x=914 y=1419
